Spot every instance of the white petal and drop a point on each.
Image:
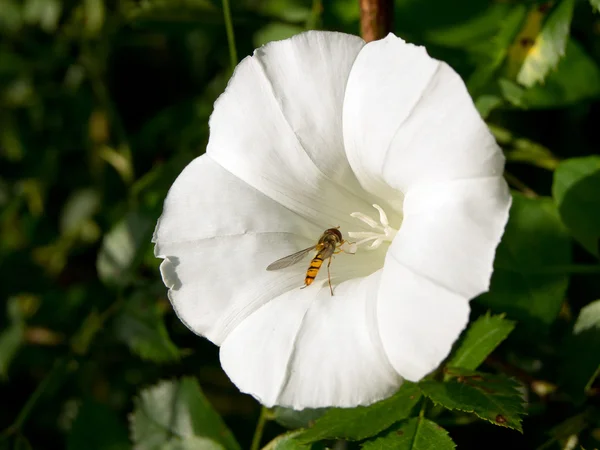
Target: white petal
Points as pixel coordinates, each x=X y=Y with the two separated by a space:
x=409 y=119
x=309 y=349
x=419 y=320
x=278 y=126
x=218 y=235
x=440 y=259
x=308 y=74
x=451 y=230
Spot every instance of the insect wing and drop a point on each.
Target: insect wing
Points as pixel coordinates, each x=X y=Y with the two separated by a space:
x=290 y=260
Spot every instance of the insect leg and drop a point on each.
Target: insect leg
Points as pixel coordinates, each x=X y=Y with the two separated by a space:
x=329 y=276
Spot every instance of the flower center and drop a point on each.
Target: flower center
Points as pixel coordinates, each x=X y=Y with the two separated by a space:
x=382 y=231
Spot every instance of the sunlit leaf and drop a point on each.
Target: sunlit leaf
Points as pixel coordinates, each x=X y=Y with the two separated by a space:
x=96 y=427
x=363 y=421
x=287 y=441
x=121 y=246
x=575 y=190
x=576 y=78
x=494 y=398
x=141 y=327
x=549 y=45
x=581 y=352
x=481 y=339
x=529 y=280
x=417 y=433
x=177 y=415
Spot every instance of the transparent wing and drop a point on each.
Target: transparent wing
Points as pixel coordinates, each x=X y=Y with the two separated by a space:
x=291 y=259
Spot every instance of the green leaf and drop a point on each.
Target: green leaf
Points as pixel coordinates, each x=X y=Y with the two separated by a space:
x=276 y=32
x=288 y=441
x=413 y=434
x=96 y=427
x=121 y=246
x=291 y=418
x=364 y=421
x=79 y=208
x=549 y=47
x=175 y=415
x=141 y=327
x=595 y=4
x=529 y=283
x=494 y=398
x=12 y=337
x=581 y=352
x=481 y=339
x=575 y=189
x=576 y=78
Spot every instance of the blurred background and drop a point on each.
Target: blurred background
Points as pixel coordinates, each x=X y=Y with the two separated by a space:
x=102 y=104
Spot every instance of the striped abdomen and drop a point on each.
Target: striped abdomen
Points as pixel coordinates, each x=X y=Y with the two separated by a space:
x=316 y=264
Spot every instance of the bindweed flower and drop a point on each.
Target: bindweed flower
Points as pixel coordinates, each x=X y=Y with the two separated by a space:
x=319 y=131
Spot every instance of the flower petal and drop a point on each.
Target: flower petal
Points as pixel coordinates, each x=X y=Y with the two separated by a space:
x=409 y=119
x=419 y=320
x=215 y=235
x=440 y=259
x=278 y=126
x=308 y=349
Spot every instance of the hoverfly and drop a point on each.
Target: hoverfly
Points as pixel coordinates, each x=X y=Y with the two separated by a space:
x=329 y=244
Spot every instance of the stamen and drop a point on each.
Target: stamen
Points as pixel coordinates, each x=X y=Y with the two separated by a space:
x=385 y=231
x=366 y=219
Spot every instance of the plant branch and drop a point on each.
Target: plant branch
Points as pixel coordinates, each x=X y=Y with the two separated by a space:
x=376 y=18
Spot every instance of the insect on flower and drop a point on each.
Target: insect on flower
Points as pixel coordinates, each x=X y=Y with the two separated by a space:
x=329 y=244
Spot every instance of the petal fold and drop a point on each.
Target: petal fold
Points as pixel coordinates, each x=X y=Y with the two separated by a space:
x=409 y=119
x=308 y=349
x=216 y=237
x=278 y=126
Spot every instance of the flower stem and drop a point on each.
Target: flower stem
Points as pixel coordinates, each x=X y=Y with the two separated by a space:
x=376 y=17
x=33 y=399
x=230 y=36
x=260 y=427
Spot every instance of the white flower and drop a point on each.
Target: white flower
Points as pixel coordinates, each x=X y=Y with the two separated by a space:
x=310 y=133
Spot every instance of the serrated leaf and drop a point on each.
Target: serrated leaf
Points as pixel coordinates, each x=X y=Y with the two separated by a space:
x=549 y=46
x=581 y=352
x=482 y=337
x=363 y=421
x=121 y=246
x=575 y=190
x=528 y=282
x=413 y=434
x=494 y=398
x=175 y=413
x=91 y=418
x=140 y=325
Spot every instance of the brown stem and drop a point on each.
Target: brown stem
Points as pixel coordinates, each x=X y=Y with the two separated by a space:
x=375 y=18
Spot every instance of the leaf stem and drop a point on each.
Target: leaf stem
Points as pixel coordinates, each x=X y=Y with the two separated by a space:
x=230 y=35
x=260 y=427
x=526 y=190
x=33 y=399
